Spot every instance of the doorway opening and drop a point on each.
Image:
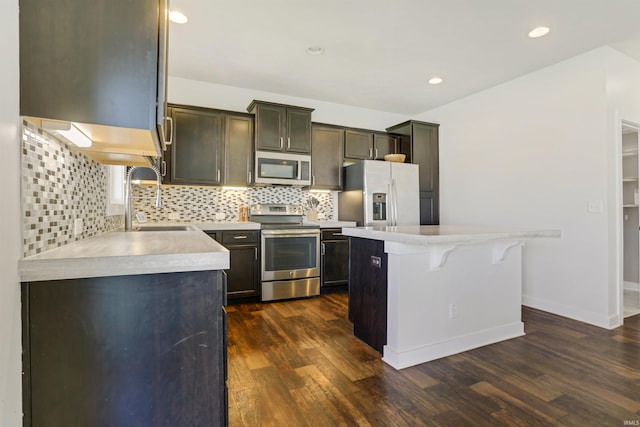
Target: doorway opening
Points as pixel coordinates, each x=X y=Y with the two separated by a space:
x=630 y=220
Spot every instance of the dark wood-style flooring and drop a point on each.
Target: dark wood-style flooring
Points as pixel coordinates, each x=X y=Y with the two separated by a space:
x=296 y=363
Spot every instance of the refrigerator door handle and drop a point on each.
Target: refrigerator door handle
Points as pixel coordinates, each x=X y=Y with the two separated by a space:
x=391 y=205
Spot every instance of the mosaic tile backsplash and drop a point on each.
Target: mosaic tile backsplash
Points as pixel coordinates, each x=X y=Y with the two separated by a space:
x=58 y=186
x=200 y=204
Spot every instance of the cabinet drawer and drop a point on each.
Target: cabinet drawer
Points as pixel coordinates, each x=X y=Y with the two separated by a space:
x=239 y=237
x=333 y=234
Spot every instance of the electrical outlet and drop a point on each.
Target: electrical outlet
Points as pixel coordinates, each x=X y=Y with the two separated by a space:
x=453 y=311
x=173 y=215
x=220 y=216
x=77 y=227
x=321 y=215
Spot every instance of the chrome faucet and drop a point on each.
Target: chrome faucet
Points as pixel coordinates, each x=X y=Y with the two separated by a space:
x=127 y=194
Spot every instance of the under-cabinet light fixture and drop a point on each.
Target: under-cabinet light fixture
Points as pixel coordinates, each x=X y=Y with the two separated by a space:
x=69 y=131
x=235 y=188
x=538 y=32
x=178 y=17
x=319 y=191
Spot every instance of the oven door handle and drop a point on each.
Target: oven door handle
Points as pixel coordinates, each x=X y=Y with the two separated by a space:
x=291 y=233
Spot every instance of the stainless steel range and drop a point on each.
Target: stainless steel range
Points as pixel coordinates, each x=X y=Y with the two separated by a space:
x=290 y=252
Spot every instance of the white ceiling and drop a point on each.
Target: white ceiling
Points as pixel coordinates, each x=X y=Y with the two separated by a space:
x=379 y=54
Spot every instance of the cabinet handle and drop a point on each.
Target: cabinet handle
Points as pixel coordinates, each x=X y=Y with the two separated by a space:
x=163 y=167
x=281 y=142
x=218 y=175
x=288 y=143
x=239 y=237
x=322 y=251
x=255 y=253
x=338 y=234
x=370 y=152
x=313 y=180
x=249 y=176
x=170 y=141
x=376 y=153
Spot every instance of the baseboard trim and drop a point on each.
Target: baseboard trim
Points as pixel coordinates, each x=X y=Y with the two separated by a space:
x=632 y=286
x=400 y=359
x=575 y=313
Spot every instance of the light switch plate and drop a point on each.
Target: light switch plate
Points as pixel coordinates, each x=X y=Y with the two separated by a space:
x=174 y=215
x=594 y=206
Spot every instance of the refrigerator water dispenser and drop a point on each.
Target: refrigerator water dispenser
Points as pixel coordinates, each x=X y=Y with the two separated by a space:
x=380 y=206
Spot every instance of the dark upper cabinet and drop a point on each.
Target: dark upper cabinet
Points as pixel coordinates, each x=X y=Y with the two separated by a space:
x=326 y=157
x=197 y=149
x=419 y=141
x=358 y=144
x=368 y=145
x=238 y=149
x=384 y=144
x=281 y=127
x=101 y=62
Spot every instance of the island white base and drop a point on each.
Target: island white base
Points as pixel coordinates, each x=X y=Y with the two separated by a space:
x=444 y=300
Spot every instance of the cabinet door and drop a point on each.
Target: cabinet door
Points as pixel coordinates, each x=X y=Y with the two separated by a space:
x=358 y=145
x=91 y=62
x=270 y=127
x=298 y=131
x=238 y=150
x=197 y=147
x=425 y=154
x=429 y=208
x=243 y=278
x=383 y=144
x=335 y=263
x=326 y=158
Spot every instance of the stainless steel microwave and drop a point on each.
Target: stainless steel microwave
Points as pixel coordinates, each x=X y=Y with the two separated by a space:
x=283 y=168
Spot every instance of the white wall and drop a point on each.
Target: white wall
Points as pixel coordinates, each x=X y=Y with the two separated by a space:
x=191 y=92
x=10 y=339
x=532 y=152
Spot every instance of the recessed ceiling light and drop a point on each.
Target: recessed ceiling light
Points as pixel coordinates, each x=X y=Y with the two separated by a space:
x=315 y=50
x=177 y=17
x=435 y=80
x=538 y=32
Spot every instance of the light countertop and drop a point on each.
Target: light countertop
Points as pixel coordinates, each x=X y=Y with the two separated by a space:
x=119 y=253
x=331 y=223
x=127 y=253
x=445 y=234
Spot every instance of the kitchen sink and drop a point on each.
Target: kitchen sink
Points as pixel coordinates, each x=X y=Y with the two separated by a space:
x=163 y=228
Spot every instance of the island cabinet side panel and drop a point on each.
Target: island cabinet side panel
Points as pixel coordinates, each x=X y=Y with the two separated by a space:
x=368 y=291
x=126 y=350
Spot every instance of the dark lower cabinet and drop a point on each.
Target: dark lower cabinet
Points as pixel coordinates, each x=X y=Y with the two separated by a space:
x=334 y=261
x=145 y=350
x=243 y=275
x=368 y=291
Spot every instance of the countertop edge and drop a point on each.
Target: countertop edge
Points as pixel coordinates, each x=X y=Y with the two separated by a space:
x=458 y=238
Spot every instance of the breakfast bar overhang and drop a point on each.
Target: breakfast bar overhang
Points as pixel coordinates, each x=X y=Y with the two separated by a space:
x=419 y=293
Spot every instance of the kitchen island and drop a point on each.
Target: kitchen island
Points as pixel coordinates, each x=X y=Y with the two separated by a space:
x=126 y=328
x=418 y=293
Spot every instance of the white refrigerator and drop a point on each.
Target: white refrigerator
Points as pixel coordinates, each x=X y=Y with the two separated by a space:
x=380 y=193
